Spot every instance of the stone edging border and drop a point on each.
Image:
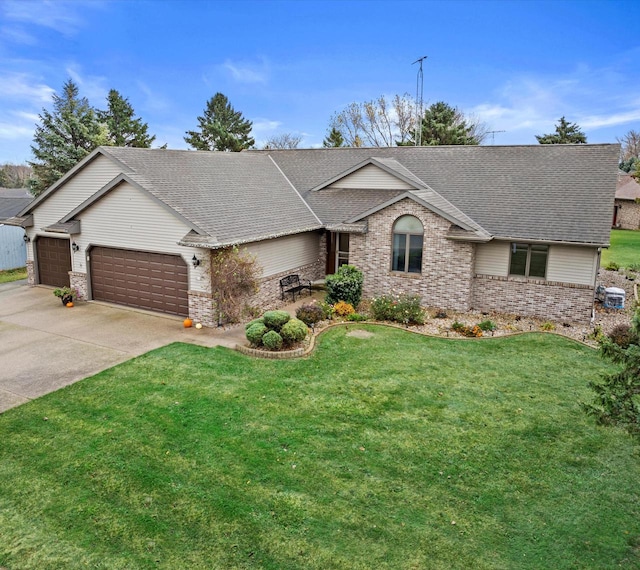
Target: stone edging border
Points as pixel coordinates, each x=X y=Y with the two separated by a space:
x=311 y=344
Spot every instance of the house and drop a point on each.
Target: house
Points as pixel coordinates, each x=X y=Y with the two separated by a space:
x=626 y=209
x=13 y=252
x=516 y=229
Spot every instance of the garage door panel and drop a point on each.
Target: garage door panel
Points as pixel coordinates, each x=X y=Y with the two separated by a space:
x=54 y=261
x=153 y=281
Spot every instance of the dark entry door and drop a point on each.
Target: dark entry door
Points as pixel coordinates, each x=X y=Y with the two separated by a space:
x=54 y=261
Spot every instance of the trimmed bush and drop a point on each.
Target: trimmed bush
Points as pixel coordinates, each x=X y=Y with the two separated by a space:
x=294 y=331
x=612 y=266
x=343 y=309
x=623 y=336
x=310 y=314
x=356 y=317
x=255 y=333
x=487 y=326
x=345 y=285
x=272 y=340
x=400 y=308
x=275 y=319
x=253 y=322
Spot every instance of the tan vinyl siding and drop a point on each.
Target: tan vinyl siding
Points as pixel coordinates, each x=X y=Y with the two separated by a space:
x=492 y=258
x=281 y=254
x=75 y=191
x=129 y=218
x=570 y=264
x=371 y=176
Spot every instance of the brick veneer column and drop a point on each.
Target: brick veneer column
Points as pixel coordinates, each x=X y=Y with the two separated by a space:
x=78 y=281
x=31 y=274
x=202 y=308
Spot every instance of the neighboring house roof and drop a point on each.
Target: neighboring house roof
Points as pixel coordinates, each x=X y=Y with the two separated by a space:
x=554 y=193
x=13 y=200
x=627 y=188
x=537 y=192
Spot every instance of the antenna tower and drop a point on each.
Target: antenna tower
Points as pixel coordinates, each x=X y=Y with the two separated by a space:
x=419 y=91
x=493 y=135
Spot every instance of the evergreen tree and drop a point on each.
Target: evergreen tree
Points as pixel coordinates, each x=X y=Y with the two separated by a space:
x=221 y=128
x=64 y=137
x=333 y=139
x=123 y=128
x=566 y=133
x=617 y=399
x=443 y=124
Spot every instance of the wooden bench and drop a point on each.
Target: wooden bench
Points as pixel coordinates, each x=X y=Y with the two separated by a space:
x=294 y=285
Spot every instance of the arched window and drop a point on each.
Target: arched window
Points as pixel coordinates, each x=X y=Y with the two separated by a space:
x=407 y=245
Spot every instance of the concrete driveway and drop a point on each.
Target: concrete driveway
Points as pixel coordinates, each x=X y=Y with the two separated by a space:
x=45 y=346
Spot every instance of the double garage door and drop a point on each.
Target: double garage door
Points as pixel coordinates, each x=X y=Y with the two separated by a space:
x=152 y=281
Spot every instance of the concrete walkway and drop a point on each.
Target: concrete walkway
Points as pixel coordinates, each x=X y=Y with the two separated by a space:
x=45 y=346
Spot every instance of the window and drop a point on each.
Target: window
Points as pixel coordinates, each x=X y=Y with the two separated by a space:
x=528 y=260
x=342 y=253
x=407 y=245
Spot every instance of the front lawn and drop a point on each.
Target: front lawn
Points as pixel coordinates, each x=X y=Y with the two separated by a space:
x=624 y=250
x=390 y=452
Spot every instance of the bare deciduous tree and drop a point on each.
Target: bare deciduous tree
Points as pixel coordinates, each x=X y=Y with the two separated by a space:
x=285 y=140
x=630 y=145
x=379 y=122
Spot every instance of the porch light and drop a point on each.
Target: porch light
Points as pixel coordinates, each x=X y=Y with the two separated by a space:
x=195 y=261
x=26 y=238
x=75 y=247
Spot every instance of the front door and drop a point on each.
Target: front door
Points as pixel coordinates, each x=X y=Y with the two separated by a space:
x=337 y=251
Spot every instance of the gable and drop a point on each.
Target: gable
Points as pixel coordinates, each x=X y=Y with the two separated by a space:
x=74 y=191
x=371 y=177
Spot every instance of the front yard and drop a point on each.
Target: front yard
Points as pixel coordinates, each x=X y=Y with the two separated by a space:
x=395 y=451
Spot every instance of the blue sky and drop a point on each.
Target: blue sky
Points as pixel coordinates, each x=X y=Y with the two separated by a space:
x=289 y=66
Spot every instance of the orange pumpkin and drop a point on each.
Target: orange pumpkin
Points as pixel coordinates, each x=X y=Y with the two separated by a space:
x=70 y=304
x=187 y=323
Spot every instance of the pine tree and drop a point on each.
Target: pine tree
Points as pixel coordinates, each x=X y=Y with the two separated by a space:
x=221 y=128
x=617 y=401
x=64 y=137
x=566 y=133
x=443 y=124
x=123 y=128
x=333 y=139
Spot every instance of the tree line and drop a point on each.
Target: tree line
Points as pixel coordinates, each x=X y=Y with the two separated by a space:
x=73 y=128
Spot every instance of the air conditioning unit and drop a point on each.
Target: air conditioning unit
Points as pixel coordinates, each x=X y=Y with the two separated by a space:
x=614 y=298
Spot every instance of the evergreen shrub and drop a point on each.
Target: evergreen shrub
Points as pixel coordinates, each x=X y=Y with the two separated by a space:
x=255 y=333
x=276 y=319
x=345 y=285
x=294 y=331
x=272 y=340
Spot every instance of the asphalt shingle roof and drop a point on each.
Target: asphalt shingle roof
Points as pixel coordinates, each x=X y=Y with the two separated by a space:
x=628 y=188
x=233 y=197
x=541 y=192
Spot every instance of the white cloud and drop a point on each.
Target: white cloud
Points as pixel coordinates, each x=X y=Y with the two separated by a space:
x=153 y=101
x=265 y=127
x=14 y=131
x=247 y=72
x=21 y=86
x=57 y=15
x=18 y=35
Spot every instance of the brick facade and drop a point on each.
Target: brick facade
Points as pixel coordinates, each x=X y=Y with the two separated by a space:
x=532 y=297
x=31 y=273
x=628 y=214
x=447 y=265
x=78 y=281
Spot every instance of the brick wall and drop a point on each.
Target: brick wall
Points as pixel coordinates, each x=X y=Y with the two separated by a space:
x=537 y=298
x=78 y=281
x=447 y=266
x=31 y=273
x=202 y=308
x=628 y=214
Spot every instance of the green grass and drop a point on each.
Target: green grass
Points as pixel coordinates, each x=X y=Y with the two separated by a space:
x=624 y=250
x=361 y=456
x=8 y=275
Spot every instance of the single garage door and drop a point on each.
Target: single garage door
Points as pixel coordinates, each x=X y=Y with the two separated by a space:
x=153 y=281
x=54 y=261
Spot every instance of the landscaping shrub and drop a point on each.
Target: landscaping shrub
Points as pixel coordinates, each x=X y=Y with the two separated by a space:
x=487 y=326
x=253 y=322
x=400 y=308
x=255 y=333
x=612 y=266
x=310 y=314
x=356 y=317
x=345 y=285
x=294 y=331
x=275 y=319
x=464 y=330
x=272 y=340
x=457 y=326
x=548 y=326
x=342 y=309
x=634 y=267
x=623 y=336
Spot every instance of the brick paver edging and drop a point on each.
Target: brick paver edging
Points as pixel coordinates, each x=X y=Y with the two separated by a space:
x=304 y=351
